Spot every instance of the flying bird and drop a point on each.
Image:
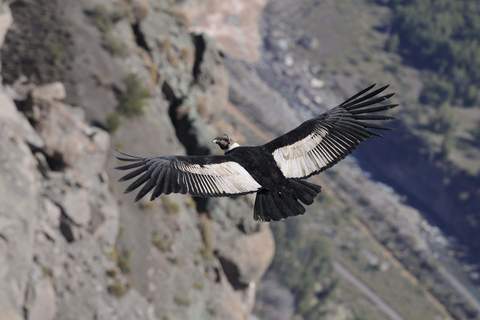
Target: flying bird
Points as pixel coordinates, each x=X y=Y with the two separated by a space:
x=275 y=170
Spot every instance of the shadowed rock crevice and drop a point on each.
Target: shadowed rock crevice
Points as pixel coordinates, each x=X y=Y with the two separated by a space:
x=183 y=123
x=55 y=162
x=66 y=229
x=233 y=274
x=200 y=46
x=140 y=37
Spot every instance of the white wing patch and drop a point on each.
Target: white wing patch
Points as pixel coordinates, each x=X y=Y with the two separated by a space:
x=219 y=178
x=308 y=155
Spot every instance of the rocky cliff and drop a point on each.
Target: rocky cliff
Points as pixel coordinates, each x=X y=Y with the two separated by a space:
x=75 y=247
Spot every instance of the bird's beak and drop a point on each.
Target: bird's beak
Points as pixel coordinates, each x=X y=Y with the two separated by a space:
x=215 y=141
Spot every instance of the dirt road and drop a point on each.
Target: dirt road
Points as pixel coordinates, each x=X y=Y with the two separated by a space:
x=382 y=305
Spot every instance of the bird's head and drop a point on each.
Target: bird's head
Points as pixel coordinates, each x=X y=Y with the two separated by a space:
x=225 y=142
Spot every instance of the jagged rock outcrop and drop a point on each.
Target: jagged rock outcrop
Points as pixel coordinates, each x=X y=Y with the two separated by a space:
x=232 y=23
x=58 y=217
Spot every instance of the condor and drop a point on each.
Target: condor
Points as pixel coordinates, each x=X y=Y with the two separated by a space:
x=275 y=170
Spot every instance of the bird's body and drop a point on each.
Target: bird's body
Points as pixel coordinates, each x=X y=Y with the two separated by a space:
x=265 y=170
x=275 y=170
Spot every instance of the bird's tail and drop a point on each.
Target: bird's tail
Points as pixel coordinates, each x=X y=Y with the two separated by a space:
x=272 y=205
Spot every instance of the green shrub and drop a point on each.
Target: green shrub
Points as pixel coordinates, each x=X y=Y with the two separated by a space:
x=113 y=122
x=449 y=143
x=182 y=300
x=436 y=92
x=115 y=47
x=159 y=241
x=117 y=289
x=147 y=206
x=112 y=273
x=133 y=97
x=54 y=53
x=208 y=248
x=101 y=18
x=441 y=36
x=170 y=206
x=443 y=121
x=123 y=262
x=476 y=133
x=294 y=247
x=104 y=20
x=198 y=286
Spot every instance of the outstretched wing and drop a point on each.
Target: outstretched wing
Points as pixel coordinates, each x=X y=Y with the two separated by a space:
x=200 y=176
x=321 y=142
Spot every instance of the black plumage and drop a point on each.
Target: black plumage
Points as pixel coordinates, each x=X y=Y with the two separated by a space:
x=275 y=170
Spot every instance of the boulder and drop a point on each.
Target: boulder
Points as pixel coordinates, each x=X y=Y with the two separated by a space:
x=17 y=122
x=62 y=133
x=75 y=204
x=41 y=300
x=246 y=258
x=49 y=92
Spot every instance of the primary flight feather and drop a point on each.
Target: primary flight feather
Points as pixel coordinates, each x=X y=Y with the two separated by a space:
x=275 y=170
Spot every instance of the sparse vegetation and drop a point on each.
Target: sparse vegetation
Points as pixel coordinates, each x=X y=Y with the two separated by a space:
x=147 y=205
x=47 y=271
x=313 y=284
x=443 y=120
x=436 y=91
x=117 y=289
x=159 y=241
x=112 y=273
x=189 y=202
x=130 y=105
x=175 y=259
x=198 y=286
x=104 y=20
x=170 y=206
x=114 y=46
x=208 y=248
x=182 y=300
x=54 y=53
x=101 y=18
x=475 y=132
x=442 y=36
x=113 y=122
x=123 y=261
x=212 y=310
x=133 y=97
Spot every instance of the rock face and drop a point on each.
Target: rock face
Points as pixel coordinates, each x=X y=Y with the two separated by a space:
x=232 y=23
x=57 y=223
x=73 y=246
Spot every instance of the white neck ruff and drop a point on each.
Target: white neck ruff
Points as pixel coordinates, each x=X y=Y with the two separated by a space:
x=233 y=146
